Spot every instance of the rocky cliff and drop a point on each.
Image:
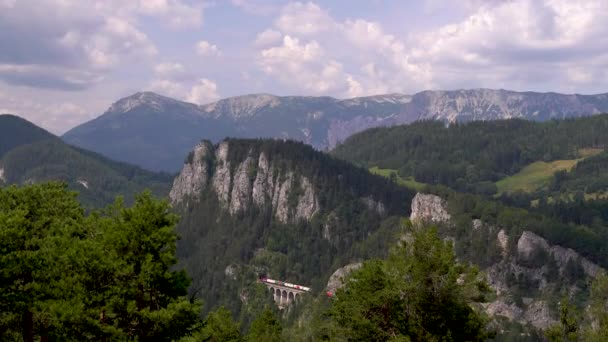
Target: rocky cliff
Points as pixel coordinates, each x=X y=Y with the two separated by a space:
x=239 y=184
x=528 y=274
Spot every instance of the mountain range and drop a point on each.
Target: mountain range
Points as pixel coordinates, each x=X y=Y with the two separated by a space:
x=155 y=132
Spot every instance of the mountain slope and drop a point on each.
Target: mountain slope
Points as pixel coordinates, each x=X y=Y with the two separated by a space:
x=280 y=209
x=14 y=132
x=473 y=156
x=155 y=131
x=34 y=155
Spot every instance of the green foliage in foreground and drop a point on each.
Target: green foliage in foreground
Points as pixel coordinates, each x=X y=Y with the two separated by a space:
x=420 y=293
x=107 y=276
x=590 y=326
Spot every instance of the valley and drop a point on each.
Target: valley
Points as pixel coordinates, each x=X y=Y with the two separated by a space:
x=520 y=200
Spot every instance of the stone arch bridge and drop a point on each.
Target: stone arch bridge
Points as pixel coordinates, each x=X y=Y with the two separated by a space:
x=284 y=293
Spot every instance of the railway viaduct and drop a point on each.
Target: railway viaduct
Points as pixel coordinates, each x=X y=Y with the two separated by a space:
x=284 y=293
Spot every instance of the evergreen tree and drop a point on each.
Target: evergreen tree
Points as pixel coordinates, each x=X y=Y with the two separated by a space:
x=419 y=293
x=107 y=276
x=265 y=328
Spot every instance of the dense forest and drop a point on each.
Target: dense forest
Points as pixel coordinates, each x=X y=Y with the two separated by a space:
x=307 y=251
x=110 y=275
x=472 y=156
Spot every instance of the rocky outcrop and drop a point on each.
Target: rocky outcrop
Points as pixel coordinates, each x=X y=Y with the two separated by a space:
x=336 y=281
x=194 y=175
x=503 y=241
x=308 y=205
x=528 y=263
x=530 y=243
x=429 y=208
x=2 y=179
x=241 y=187
x=374 y=205
x=263 y=181
x=222 y=178
x=252 y=181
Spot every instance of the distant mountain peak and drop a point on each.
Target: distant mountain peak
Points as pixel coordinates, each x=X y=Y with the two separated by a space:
x=241 y=106
x=394 y=98
x=145 y=98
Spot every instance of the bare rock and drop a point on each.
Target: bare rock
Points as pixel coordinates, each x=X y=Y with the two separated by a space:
x=308 y=204
x=336 y=281
x=503 y=242
x=501 y=308
x=539 y=315
x=282 y=199
x=263 y=184
x=221 y=178
x=429 y=208
x=194 y=175
x=241 y=187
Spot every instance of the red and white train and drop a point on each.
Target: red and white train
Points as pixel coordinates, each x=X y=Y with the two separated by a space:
x=282 y=283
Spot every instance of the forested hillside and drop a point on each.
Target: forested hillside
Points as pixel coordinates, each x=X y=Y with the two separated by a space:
x=15 y=131
x=32 y=155
x=281 y=209
x=473 y=156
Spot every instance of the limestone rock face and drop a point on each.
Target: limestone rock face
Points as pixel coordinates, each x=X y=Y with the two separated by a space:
x=336 y=281
x=222 y=177
x=515 y=264
x=255 y=180
x=194 y=175
x=429 y=208
x=308 y=205
x=280 y=203
x=241 y=187
x=503 y=241
x=263 y=183
x=529 y=243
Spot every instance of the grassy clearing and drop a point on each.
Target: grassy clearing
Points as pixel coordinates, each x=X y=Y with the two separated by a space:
x=534 y=176
x=538 y=174
x=407 y=182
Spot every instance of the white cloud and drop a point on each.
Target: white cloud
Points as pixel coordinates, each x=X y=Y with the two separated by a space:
x=176 y=14
x=202 y=91
x=115 y=42
x=350 y=58
x=304 y=19
x=168 y=88
x=204 y=48
x=268 y=37
x=169 y=69
x=205 y=91
x=505 y=42
x=69 y=43
x=557 y=45
x=304 y=65
x=257 y=7
x=55 y=116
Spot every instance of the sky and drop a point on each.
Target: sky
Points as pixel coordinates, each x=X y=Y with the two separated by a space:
x=64 y=62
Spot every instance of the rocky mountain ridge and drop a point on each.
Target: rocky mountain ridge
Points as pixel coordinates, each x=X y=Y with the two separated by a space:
x=527 y=258
x=323 y=122
x=210 y=167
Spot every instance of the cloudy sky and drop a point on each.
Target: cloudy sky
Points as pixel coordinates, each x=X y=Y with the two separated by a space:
x=63 y=62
